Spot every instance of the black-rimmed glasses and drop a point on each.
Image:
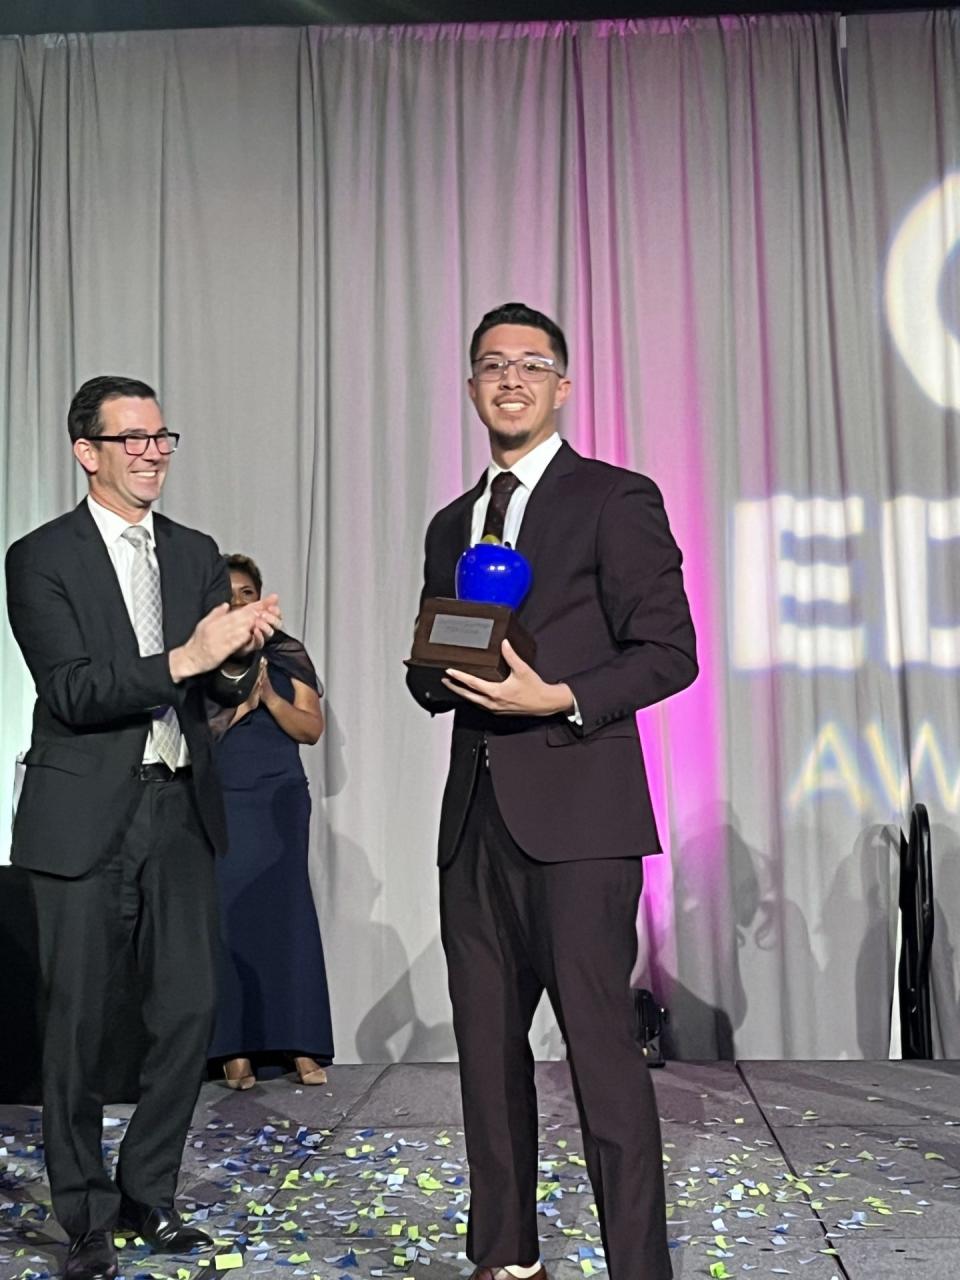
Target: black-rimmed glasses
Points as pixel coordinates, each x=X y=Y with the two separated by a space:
x=136 y=443
x=529 y=368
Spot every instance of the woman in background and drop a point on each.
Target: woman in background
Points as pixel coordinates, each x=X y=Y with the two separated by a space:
x=273 y=1001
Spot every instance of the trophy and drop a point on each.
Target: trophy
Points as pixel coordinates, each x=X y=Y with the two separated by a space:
x=466 y=633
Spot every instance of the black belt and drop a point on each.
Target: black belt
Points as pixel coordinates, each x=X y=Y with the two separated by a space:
x=159 y=772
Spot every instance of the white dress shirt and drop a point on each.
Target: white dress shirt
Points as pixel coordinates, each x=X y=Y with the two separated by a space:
x=122 y=553
x=528 y=470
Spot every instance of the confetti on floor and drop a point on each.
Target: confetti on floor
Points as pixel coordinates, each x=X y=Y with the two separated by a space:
x=367 y=1177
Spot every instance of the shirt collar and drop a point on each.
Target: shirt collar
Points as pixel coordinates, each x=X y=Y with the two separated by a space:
x=111 y=525
x=530 y=468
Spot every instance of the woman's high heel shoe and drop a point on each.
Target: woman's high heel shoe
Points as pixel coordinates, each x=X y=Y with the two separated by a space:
x=238 y=1074
x=310 y=1072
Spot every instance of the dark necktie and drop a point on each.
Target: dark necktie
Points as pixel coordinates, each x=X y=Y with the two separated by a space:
x=501 y=490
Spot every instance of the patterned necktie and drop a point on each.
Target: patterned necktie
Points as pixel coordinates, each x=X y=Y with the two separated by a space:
x=501 y=490
x=148 y=624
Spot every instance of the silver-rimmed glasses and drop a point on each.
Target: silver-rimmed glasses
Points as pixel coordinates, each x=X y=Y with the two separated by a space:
x=529 y=368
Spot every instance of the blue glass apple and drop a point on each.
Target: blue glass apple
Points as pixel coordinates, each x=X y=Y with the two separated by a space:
x=492 y=573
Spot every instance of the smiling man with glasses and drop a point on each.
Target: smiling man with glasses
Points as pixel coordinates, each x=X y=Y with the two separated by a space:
x=124 y=621
x=546 y=815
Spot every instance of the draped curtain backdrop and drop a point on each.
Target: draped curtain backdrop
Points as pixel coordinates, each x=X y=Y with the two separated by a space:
x=747 y=228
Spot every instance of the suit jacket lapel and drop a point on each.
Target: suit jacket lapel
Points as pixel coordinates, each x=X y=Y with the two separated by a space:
x=461 y=517
x=177 y=625
x=99 y=572
x=548 y=491
x=465 y=516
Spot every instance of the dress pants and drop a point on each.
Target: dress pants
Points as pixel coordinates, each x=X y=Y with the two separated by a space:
x=513 y=927
x=148 y=908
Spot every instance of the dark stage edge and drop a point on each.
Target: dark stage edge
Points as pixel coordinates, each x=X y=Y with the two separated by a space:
x=809 y=1169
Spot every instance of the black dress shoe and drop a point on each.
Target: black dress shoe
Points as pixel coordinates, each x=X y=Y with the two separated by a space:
x=92 y=1256
x=162 y=1229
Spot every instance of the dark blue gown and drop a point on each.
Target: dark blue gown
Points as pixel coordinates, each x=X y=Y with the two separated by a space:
x=273 y=998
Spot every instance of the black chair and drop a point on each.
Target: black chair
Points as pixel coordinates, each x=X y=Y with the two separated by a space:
x=650 y=1021
x=21 y=1014
x=19 y=990
x=916 y=911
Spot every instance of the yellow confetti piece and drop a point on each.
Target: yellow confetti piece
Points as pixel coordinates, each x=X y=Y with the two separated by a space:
x=299 y=1257
x=461 y=1228
x=228 y=1261
x=291 y=1180
x=427 y=1182
x=719 y=1271
x=932 y=1155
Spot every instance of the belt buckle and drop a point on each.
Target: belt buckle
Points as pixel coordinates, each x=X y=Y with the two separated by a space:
x=156 y=771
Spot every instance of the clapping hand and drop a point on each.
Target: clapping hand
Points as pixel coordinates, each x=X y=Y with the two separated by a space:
x=226 y=633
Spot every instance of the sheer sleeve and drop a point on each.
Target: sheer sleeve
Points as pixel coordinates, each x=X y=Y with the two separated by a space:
x=290 y=657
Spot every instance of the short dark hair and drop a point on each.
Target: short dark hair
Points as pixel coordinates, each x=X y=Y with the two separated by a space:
x=239 y=563
x=520 y=313
x=83 y=416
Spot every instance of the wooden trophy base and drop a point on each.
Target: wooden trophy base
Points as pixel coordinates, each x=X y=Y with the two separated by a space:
x=467 y=635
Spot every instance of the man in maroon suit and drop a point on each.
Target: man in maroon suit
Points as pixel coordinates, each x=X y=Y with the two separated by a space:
x=546 y=814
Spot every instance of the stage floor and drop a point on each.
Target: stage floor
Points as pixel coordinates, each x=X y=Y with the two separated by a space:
x=814 y=1170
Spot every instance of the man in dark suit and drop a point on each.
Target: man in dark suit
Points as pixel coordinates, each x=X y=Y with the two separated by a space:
x=123 y=619
x=546 y=814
